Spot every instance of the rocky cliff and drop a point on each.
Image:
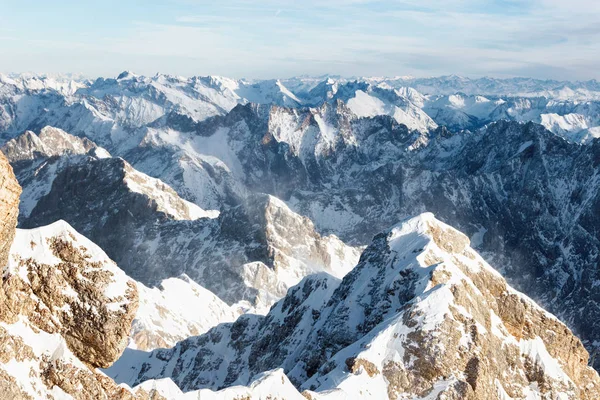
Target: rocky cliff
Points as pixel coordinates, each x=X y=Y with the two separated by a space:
x=9 y=208
x=66 y=309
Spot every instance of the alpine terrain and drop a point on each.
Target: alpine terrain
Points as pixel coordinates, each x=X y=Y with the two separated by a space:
x=164 y=237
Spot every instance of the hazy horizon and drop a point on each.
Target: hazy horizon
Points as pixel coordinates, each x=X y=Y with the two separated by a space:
x=82 y=76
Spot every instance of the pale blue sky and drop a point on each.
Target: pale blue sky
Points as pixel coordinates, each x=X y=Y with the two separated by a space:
x=280 y=38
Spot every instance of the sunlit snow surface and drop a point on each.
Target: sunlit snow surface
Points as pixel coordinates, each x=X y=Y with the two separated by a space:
x=336 y=308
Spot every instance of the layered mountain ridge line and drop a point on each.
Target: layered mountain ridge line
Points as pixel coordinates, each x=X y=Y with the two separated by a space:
x=117 y=107
x=154 y=234
x=422 y=315
x=286 y=163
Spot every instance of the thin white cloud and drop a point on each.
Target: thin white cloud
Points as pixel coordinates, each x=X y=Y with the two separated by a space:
x=545 y=38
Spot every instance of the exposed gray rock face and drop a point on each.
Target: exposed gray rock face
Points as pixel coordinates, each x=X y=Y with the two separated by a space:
x=421 y=315
x=49 y=143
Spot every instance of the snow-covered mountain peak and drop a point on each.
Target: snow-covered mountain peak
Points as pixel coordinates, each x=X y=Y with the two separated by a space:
x=220 y=82
x=378 y=101
x=412 y=95
x=442 y=236
x=421 y=314
x=66 y=85
x=268 y=92
x=66 y=309
x=175 y=310
x=125 y=75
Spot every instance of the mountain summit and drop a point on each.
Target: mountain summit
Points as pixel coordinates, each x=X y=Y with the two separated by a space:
x=421 y=316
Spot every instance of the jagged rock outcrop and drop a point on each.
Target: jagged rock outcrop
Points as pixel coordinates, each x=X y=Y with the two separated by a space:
x=68 y=286
x=65 y=309
x=421 y=316
x=49 y=143
x=9 y=208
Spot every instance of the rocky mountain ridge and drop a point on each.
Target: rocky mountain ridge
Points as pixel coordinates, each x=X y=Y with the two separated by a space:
x=525 y=195
x=421 y=315
x=116 y=113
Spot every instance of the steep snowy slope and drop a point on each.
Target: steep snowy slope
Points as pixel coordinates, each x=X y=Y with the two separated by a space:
x=268 y=92
x=66 y=310
x=366 y=100
x=266 y=386
x=199 y=169
x=365 y=104
x=175 y=310
x=136 y=100
x=422 y=314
